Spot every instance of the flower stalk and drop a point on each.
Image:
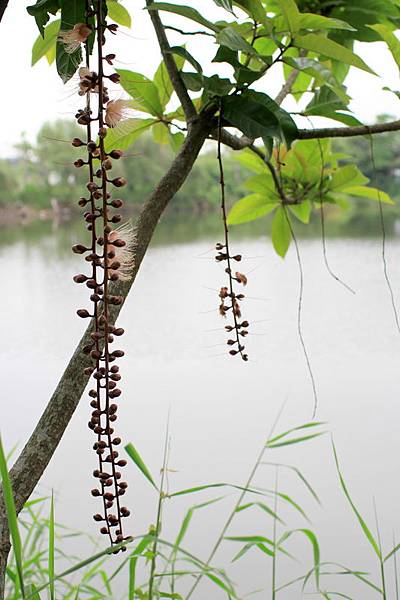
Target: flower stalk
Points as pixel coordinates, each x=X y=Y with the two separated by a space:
x=229 y=299
x=110 y=257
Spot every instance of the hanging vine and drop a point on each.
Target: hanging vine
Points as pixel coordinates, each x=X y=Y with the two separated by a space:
x=110 y=257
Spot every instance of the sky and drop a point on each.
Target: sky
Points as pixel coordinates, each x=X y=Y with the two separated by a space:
x=33 y=95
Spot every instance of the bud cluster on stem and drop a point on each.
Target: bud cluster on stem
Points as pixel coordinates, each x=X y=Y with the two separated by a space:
x=228 y=298
x=110 y=257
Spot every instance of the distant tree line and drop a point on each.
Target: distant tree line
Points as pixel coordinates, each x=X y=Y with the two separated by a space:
x=41 y=176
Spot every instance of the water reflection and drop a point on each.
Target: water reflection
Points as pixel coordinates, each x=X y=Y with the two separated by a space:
x=222 y=410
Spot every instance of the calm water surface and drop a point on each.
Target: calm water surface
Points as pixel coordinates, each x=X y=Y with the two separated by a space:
x=221 y=409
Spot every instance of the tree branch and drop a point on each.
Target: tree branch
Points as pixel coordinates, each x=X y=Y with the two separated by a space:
x=44 y=440
x=3 y=6
x=173 y=72
x=240 y=143
x=330 y=132
x=287 y=86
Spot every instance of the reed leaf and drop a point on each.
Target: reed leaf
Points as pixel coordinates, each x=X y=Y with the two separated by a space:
x=12 y=517
x=367 y=532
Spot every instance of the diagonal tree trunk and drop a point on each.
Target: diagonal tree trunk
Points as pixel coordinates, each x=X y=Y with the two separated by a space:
x=3 y=6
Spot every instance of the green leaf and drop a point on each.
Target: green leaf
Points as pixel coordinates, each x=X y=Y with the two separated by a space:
x=43 y=45
x=327 y=47
x=280 y=232
x=310 y=535
x=12 y=517
x=299 y=440
x=251 y=539
x=287 y=127
x=303 y=427
x=392 y=552
x=184 y=11
x=193 y=81
x=143 y=91
x=227 y=4
x=162 y=80
x=72 y=12
x=370 y=193
x=250 y=208
x=263 y=184
x=51 y=549
x=254 y=9
x=32 y=592
x=185 y=55
x=218 y=581
x=230 y=38
x=126 y=133
x=251 y=161
x=291 y=13
x=138 y=551
x=176 y=140
x=345 y=177
x=41 y=11
x=118 y=13
x=264 y=507
x=391 y=40
x=360 y=519
x=256 y=115
x=188 y=517
x=160 y=133
x=208 y=486
x=51 y=54
x=315 y=21
x=135 y=456
x=302 y=211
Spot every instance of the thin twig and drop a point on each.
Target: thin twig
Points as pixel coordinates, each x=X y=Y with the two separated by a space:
x=173 y=72
x=383 y=229
x=299 y=313
x=322 y=217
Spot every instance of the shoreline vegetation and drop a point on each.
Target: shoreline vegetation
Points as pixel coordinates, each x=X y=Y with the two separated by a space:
x=40 y=183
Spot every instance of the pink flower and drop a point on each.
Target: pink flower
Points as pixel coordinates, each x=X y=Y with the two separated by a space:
x=73 y=38
x=116 y=111
x=123 y=254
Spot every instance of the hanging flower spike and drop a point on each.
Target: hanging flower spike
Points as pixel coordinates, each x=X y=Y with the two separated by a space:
x=123 y=261
x=73 y=38
x=116 y=111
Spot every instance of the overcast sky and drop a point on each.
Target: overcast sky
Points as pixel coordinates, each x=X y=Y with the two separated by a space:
x=33 y=95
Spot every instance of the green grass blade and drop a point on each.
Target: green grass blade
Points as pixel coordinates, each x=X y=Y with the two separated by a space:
x=367 y=532
x=188 y=517
x=138 y=551
x=12 y=517
x=298 y=440
x=293 y=430
x=137 y=459
x=300 y=475
x=87 y=561
x=51 y=549
x=392 y=552
x=209 y=486
x=264 y=507
x=33 y=592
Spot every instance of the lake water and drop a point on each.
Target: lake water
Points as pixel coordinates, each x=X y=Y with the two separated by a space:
x=222 y=409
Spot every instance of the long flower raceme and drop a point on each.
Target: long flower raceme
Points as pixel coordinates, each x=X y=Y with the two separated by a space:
x=110 y=258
